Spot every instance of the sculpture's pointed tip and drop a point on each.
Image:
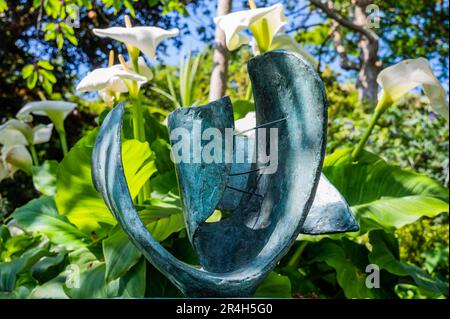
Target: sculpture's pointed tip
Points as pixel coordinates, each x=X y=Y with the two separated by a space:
x=329 y=213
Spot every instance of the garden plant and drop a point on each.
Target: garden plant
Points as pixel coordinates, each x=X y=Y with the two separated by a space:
x=388 y=157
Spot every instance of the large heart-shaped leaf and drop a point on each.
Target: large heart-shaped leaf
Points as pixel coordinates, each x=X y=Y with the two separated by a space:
x=120 y=254
x=40 y=215
x=76 y=196
x=274 y=286
x=10 y=270
x=383 y=196
x=91 y=283
x=385 y=254
x=44 y=177
x=349 y=259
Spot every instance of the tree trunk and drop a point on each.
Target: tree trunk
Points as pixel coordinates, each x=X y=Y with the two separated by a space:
x=368 y=66
x=368 y=59
x=367 y=76
x=219 y=74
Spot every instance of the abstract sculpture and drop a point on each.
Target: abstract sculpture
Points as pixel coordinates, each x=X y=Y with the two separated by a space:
x=267 y=211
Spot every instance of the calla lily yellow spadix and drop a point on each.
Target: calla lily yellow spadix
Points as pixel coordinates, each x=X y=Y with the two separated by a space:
x=146 y=39
x=264 y=23
x=399 y=79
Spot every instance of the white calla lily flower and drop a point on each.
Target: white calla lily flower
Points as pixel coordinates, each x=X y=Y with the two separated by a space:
x=9 y=136
x=57 y=111
x=284 y=41
x=110 y=79
x=146 y=39
x=17 y=132
x=17 y=157
x=400 y=78
x=42 y=133
x=244 y=125
x=264 y=23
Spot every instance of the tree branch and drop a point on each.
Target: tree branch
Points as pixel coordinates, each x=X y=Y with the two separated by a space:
x=336 y=16
x=336 y=37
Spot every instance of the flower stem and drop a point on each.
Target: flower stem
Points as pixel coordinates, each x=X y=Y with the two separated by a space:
x=62 y=137
x=34 y=155
x=139 y=134
x=373 y=121
x=249 y=93
x=297 y=254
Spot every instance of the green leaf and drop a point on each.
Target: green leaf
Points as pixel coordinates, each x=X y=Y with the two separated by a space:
x=120 y=254
x=165 y=183
x=32 y=79
x=162 y=149
x=40 y=215
x=59 y=41
x=48 y=87
x=10 y=270
x=27 y=70
x=45 y=65
x=3 y=6
x=76 y=196
x=385 y=255
x=132 y=284
x=44 y=177
x=241 y=108
x=48 y=267
x=129 y=6
x=72 y=39
x=15 y=246
x=349 y=259
x=4 y=236
x=52 y=289
x=302 y=286
x=92 y=284
x=49 y=76
x=383 y=196
x=274 y=286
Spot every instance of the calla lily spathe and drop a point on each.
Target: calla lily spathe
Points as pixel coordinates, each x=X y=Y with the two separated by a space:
x=146 y=39
x=286 y=42
x=400 y=78
x=245 y=124
x=17 y=132
x=264 y=23
x=110 y=78
x=14 y=158
x=57 y=111
x=110 y=81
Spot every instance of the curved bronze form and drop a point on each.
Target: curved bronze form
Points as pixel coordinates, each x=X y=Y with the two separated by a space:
x=237 y=253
